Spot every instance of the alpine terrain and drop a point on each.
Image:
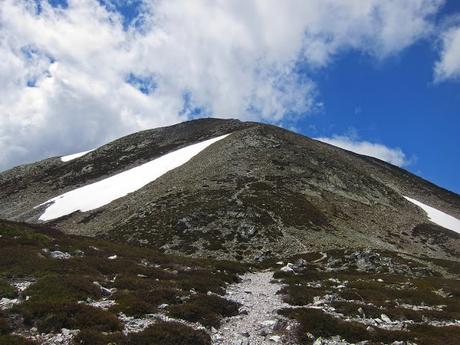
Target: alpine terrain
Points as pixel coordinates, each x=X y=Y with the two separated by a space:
x=226 y=232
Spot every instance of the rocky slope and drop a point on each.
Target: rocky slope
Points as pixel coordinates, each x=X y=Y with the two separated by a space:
x=260 y=192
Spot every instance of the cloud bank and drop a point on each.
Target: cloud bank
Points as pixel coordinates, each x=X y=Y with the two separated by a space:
x=448 y=66
x=394 y=156
x=81 y=73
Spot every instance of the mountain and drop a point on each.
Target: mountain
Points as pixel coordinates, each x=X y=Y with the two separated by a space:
x=235 y=190
x=126 y=244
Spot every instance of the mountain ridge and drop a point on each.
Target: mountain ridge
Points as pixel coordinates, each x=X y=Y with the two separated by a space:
x=262 y=191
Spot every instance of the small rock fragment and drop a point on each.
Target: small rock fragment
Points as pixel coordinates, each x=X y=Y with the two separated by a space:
x=385 y=318
x=275 y=338
x=57 y=254
x=287 y=269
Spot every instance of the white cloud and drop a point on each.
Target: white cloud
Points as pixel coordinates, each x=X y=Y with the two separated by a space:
x=64 y=76
x=394 y=156
x=448 y=66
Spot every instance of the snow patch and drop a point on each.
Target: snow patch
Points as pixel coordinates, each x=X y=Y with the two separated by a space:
x=100 y=193
x=74 y=156
x=438 y=217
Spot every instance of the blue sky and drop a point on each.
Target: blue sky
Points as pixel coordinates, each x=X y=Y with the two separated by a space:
x=378 y=77
x=395 y=102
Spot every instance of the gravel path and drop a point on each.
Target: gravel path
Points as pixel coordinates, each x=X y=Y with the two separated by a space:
x=259 y=322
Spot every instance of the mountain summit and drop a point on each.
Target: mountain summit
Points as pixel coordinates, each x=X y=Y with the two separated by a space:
x=238 y=190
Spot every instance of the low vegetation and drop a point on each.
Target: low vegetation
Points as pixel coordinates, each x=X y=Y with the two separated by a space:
x=66 y=275
x=161 y=333
x=56 y=281
x=205 y=309
x=348 y=294
x=321 y=324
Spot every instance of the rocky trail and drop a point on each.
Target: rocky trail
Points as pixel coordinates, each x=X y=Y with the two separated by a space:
x=258 y=322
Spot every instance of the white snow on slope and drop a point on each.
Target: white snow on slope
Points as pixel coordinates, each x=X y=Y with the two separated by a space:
x=74 y=156
x=105 y=191
x=438 y=217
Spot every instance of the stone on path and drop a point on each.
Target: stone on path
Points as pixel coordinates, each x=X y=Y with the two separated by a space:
x=257 y=294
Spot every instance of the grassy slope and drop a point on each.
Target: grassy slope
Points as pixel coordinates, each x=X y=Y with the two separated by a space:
x=141 y=280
